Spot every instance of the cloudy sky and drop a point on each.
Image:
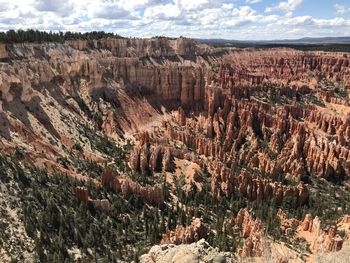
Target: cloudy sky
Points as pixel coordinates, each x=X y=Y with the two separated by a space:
x=230 y=19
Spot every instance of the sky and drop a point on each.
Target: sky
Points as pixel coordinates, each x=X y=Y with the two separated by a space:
x=229 y=19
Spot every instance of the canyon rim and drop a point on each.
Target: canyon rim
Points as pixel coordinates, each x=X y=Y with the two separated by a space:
x=189 y=148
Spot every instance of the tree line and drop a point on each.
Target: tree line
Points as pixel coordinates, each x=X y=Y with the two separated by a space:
x=36 y=36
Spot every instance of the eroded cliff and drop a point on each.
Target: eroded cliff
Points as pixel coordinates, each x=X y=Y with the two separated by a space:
x=203 y=133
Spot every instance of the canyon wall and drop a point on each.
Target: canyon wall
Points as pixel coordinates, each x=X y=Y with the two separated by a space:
x=257 y=124
x=137 y=47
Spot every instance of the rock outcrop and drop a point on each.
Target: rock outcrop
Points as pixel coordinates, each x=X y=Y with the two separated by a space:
x=253 y=123
x=321 y=240
x=3 y=51
x=135 y=77
x=126 y=186
x=199 y=251
x=287 y=223
x=285 y=142
x=225 y=182
x=186 y=235
x=82 y=195
x=136 y=47
x=144 y=159
x=343 y=223
x=253 y=234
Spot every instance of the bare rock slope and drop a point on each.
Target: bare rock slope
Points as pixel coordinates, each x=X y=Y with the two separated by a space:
x=199 y=251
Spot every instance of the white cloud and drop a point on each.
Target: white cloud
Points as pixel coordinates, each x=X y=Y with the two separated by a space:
x=253 y=1
x=341 y=9
x=59 y=7
x=244 y=11
x=197 y=4
x=107 y=9
x=337 y=22
x=240 y=17
x=196 y=18
x=4 y=5
x=268 y=9
x=297 y=21
x=286 y=6
x=132 y=4
x=289 y=5
x=163 y=12
x=111 y=11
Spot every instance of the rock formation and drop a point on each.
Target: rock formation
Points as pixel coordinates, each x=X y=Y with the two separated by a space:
x=344 y=222
x=3 y=51
x=272 y=151
x=287 y=223
x=256 y=123
x=186 y=235
x=320 y=240
x=253 y=234
x=199 y=251
x=82 y=195
x=126 y=186
x=151 y=194
x=121 y=83
x=253 y=187
x=133 y=47
x=145 y=158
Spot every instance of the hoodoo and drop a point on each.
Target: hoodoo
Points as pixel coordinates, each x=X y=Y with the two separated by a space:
x=125 y=149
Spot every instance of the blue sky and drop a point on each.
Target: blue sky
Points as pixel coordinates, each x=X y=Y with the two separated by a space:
x=230 y=19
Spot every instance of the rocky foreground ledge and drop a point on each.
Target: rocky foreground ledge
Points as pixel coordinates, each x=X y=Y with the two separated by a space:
x=200 y=251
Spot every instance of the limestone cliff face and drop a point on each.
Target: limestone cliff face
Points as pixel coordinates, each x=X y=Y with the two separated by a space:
x=82 y=194
x=136 y=47
x=178 y=80
x=145 y=159
x=120 y=85
x=49 y=91
x=321 y=240
x=256 y=242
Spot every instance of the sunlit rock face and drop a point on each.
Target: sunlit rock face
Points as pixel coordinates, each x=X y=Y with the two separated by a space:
x=257 y=124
